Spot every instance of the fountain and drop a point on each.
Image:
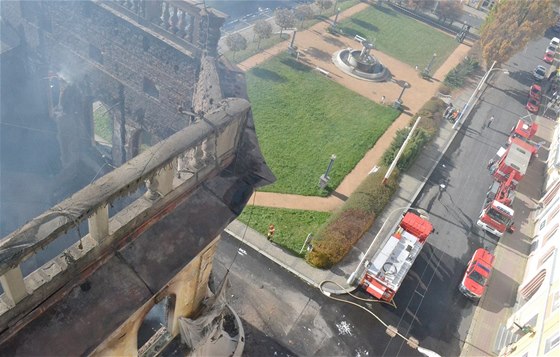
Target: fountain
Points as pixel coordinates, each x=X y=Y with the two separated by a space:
x=361 y=64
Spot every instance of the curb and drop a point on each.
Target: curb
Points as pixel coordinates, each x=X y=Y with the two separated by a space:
x=305 y=278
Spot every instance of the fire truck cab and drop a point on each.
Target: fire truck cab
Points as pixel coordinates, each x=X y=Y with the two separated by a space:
x=392 y=262
x=496 y=218
x=478 y=272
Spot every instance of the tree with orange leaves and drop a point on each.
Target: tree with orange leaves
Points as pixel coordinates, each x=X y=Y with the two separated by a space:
x=512 y=24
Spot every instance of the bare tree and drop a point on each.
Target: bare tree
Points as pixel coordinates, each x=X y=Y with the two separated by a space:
x=449 y=10
x=236 y=42
x=421 y=4
x=324 y=5
x=262 y=29
x=303 y=12
x=284 y=18
x=512 y=24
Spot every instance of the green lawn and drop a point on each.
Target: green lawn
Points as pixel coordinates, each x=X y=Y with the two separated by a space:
x=302 y=118
x=292 y=226
x=400 y=36
x=102 y=124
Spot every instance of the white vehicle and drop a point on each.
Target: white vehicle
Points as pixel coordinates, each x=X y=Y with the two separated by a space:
x=539 y=73
x=555 y=42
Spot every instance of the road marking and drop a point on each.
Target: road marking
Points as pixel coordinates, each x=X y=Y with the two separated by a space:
x=241 y=251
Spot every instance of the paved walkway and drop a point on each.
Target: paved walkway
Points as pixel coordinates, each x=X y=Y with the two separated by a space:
x=318 y=46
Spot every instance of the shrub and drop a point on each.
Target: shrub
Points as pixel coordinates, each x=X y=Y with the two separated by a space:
x=456 y=77
x=444 y=89
x=347 y=225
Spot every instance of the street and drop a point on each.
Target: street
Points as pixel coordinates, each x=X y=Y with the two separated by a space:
x=283 y=316
x=453 y=196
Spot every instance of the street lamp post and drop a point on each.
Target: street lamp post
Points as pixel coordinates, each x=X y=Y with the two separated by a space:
x=336 y=17
x=476 y=91
x=405 y=86
x=426 y=71
x=398 y=103
x=293 y=39
x=324 y=179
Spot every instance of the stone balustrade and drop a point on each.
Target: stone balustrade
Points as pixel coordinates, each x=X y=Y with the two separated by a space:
x=170 y=169
x=184 y=22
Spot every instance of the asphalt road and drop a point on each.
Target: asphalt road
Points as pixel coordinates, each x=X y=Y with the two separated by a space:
x=284 y=316
x=453 y=197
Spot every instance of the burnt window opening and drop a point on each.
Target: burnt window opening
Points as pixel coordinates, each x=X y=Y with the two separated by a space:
x=150 y=88
x=95 y=54
x=103 y=124
x=158 y=321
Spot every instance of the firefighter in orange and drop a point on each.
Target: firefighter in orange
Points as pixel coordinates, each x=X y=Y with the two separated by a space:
x=271 y=230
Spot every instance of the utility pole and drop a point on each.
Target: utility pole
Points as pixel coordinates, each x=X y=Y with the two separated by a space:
x=394 y=163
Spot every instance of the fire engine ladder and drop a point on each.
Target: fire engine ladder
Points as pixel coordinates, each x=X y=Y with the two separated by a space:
x=505 y=188
x=399 y=276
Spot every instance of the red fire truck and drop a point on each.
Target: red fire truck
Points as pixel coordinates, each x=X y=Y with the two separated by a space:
x=497 y=215
x=508 y=169
x=392 y=262
x=514 y=159
x=524 y=131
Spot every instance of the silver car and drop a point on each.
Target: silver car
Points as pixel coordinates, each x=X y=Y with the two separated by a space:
x=539 y=73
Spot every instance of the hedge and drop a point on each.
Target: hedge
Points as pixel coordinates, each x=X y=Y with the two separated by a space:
x=349 y=223
x=355 y=217
x=456 y=77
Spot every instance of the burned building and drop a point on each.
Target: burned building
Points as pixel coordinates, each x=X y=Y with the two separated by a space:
x=182 y=153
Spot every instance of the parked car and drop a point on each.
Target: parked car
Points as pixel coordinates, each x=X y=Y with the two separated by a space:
x=555 y=41
x=535 y=92
x=539 y=73
x=478 y=272
x=548 y=57
x=533 y=105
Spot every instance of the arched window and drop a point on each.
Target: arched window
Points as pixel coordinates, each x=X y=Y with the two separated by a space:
x=157 y=323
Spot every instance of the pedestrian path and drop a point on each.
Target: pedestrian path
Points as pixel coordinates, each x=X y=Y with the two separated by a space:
x=314 y=43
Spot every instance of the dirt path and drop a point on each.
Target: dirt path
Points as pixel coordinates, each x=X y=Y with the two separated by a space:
x=317 y=47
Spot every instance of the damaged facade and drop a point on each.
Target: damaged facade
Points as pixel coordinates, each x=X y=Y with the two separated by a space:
x=153 y=66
